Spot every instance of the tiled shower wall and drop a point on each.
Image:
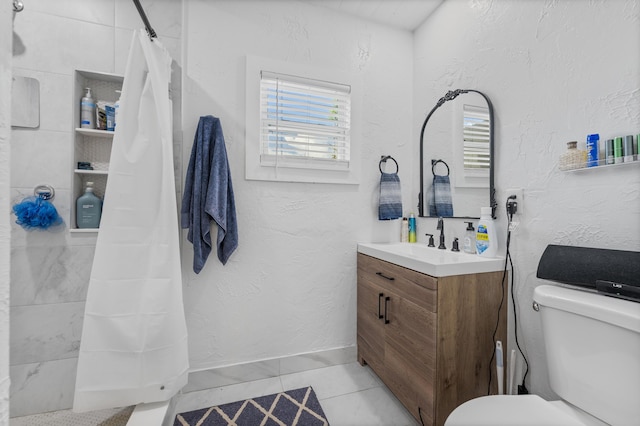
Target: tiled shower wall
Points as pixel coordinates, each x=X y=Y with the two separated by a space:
x=50 y=269
x=5 y=133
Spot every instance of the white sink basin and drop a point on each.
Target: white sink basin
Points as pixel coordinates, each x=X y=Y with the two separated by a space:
x=431 y=260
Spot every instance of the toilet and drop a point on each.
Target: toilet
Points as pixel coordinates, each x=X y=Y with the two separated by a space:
x=592 y=345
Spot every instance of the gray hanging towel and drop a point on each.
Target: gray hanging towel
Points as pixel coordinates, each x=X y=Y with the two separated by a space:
x=440 y=204
x=390 y=204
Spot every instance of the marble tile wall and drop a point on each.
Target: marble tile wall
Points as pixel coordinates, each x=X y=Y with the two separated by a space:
x=50 y=270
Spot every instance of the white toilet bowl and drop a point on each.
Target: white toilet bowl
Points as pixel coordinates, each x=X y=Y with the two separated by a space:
x=592 y=344
x=518 y=410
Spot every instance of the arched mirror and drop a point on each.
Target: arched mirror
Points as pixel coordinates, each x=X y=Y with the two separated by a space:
x=456 y=157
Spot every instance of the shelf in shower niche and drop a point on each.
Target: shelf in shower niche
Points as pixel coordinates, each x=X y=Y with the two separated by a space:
x=84 y=230
x=91 y=172
x=90 y=146
x=96 y=133
x=603 y=166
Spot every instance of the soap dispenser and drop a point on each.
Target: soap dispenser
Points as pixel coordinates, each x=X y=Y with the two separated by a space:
x=469 y=242
x=88 y=209
x=87 y=110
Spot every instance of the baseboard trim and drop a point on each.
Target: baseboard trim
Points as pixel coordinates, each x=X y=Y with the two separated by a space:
x=264 y=369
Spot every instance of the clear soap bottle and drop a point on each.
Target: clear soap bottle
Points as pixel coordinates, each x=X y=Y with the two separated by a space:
x=469 y=242
x=573 y=158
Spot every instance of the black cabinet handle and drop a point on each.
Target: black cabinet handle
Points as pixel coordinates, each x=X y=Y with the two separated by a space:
x=384 y=276
x=386 y=309
x=380 y=296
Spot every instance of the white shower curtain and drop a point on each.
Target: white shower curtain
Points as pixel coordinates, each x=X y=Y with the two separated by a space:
x=134 y=338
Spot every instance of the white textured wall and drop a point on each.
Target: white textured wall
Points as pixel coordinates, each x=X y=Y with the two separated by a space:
x=555 y=71
x=5 y=240
x=290 y=286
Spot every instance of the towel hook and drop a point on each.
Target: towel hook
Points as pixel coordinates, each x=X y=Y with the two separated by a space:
x=384 y=160
x=433 y=166
x=46 y=192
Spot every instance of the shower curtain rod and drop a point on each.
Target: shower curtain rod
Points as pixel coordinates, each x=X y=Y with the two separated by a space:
x=147 y=25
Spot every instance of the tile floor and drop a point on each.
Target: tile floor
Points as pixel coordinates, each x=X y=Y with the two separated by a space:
x=350 y=395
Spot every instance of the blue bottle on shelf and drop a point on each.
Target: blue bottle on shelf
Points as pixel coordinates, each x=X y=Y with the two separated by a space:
x=592 y=150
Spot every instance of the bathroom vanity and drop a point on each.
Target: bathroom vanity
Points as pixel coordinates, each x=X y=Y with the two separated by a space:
x=426 y=320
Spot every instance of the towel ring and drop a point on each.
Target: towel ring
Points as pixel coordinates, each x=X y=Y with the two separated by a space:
x=433 y=166
x=46 y=192
x=384 y=160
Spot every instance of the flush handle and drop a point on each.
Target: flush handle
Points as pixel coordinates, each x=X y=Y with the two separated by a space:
x=535 y=306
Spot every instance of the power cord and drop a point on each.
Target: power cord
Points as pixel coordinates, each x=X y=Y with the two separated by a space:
x=495 y=330
x=522 y=389
x=512 y=208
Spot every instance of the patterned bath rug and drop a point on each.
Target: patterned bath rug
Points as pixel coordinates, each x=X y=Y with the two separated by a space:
x=299 y=407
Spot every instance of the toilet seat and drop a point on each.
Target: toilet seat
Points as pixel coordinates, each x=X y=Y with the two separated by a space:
x=510 y=410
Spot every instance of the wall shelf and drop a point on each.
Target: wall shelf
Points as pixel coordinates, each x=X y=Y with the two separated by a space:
x=91 y=145
x=83 y=230
x=604 y=166
x=106 y=134
x=91 y=172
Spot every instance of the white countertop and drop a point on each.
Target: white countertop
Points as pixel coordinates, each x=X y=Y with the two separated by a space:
x=430 y=260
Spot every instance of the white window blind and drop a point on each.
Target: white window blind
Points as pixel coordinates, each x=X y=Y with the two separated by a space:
x=476 y=138
x=304 y=123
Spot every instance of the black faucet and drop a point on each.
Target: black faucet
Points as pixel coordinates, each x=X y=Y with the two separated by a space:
x=441 y=228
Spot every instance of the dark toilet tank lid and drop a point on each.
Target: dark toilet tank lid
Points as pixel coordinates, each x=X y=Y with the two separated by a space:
x=584 y=266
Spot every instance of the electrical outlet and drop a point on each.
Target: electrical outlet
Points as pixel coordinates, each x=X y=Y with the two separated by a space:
x=519 y=193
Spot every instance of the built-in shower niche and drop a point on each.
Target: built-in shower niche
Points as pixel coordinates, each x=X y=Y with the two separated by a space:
x=89 y=145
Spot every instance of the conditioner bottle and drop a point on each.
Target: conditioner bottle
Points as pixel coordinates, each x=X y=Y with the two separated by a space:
x=88 y=209
x=412 y=228
x=404 y=232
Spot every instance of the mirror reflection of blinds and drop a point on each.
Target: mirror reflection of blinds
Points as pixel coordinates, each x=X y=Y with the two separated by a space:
x=476 y=138
x=304 y=123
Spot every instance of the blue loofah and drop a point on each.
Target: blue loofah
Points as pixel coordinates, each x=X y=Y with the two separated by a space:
x=36 y=212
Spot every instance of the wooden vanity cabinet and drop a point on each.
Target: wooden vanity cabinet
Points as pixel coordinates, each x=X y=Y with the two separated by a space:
x=429 y=339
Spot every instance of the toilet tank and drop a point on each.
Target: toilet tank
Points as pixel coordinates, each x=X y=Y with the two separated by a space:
x=592 y=344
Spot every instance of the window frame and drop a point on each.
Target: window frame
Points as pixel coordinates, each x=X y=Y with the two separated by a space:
x=470 y=112
x=464 y=177
x=256 y=166
x=303 y=121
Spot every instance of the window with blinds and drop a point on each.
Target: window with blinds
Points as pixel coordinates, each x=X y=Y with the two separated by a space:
x=304 y=123
x=476 y=138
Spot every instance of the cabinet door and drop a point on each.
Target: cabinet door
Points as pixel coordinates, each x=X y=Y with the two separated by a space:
x=370 y=324
x=410 y=355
